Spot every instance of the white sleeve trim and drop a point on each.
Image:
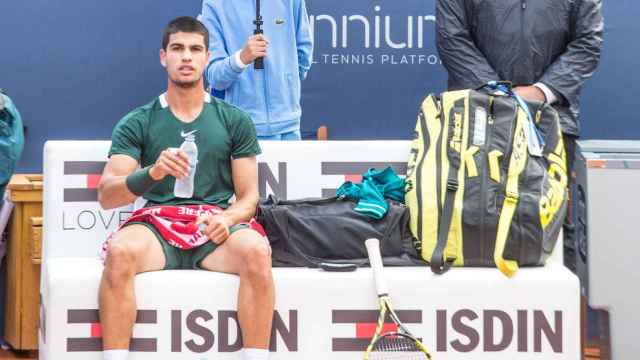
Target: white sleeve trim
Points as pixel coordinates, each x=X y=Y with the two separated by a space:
x=238 y=61
x=551 y=97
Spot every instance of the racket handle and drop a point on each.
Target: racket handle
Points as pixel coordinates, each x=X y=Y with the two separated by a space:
x=375 y=259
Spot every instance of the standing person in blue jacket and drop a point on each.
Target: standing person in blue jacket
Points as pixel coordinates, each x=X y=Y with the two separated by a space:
x=271 y=96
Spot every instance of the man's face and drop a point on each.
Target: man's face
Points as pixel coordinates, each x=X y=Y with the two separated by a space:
x=185 y=58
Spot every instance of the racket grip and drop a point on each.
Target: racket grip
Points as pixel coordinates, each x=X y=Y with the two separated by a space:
x=375 y=259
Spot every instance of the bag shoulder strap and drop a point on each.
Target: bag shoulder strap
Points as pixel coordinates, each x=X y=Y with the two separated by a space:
x=517 y=164
x=439 y=264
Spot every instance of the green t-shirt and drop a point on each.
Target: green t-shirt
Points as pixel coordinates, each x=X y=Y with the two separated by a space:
x=222 y=132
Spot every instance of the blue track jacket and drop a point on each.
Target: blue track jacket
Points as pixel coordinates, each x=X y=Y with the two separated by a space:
x=270 y=96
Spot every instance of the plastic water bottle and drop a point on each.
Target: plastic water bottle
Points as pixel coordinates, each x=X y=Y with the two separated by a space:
x=184 y=187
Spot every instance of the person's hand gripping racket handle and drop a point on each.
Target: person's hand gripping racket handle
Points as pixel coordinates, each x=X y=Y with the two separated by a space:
x=375 y=259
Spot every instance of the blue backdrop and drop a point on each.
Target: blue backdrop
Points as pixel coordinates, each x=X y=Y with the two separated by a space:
x=75 y=67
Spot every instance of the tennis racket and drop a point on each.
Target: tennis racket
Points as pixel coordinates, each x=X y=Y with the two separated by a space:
x=396 y=345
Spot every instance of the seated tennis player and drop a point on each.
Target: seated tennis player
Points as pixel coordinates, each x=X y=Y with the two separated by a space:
x=178 y=231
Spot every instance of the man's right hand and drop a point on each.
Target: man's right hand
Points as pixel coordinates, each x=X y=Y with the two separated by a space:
x=255 y=47
x=217 y=227
x=174 y=162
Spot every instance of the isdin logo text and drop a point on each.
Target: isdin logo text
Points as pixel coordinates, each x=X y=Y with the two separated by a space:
x=375 y=36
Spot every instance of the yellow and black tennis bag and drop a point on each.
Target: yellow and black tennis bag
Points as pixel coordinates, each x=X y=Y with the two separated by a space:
x=477 y=194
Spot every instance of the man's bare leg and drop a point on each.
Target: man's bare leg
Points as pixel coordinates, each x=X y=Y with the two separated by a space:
x=133 y=250
x=247 y=254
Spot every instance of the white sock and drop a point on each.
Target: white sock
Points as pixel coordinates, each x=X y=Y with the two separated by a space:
x=115 y=354
x=255 y=354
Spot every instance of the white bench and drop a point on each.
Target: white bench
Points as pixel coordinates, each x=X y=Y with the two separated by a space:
x=470 y=313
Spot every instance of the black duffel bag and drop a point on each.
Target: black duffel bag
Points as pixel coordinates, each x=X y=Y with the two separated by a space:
x=328 y=233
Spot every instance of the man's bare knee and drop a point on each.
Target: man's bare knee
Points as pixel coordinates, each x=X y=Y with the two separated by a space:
x=257 y=260
x=137 y=246
x=120 y=263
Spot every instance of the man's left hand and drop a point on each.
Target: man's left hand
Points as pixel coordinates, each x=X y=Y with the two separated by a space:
x=530 y=93
x=217 y=227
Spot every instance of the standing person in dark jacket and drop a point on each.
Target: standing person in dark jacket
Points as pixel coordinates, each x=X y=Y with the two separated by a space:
x=546 y=48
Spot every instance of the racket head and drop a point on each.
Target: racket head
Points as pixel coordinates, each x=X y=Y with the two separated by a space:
x=398 y=345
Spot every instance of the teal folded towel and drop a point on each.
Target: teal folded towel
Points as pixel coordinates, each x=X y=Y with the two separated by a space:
x=376 y=186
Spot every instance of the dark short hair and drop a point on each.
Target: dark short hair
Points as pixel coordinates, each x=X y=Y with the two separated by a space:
x=186 y=24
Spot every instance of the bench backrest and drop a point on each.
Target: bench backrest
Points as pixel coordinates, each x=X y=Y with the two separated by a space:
x=75 y=225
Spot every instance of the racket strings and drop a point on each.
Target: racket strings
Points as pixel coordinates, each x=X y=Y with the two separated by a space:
x=396 y=348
